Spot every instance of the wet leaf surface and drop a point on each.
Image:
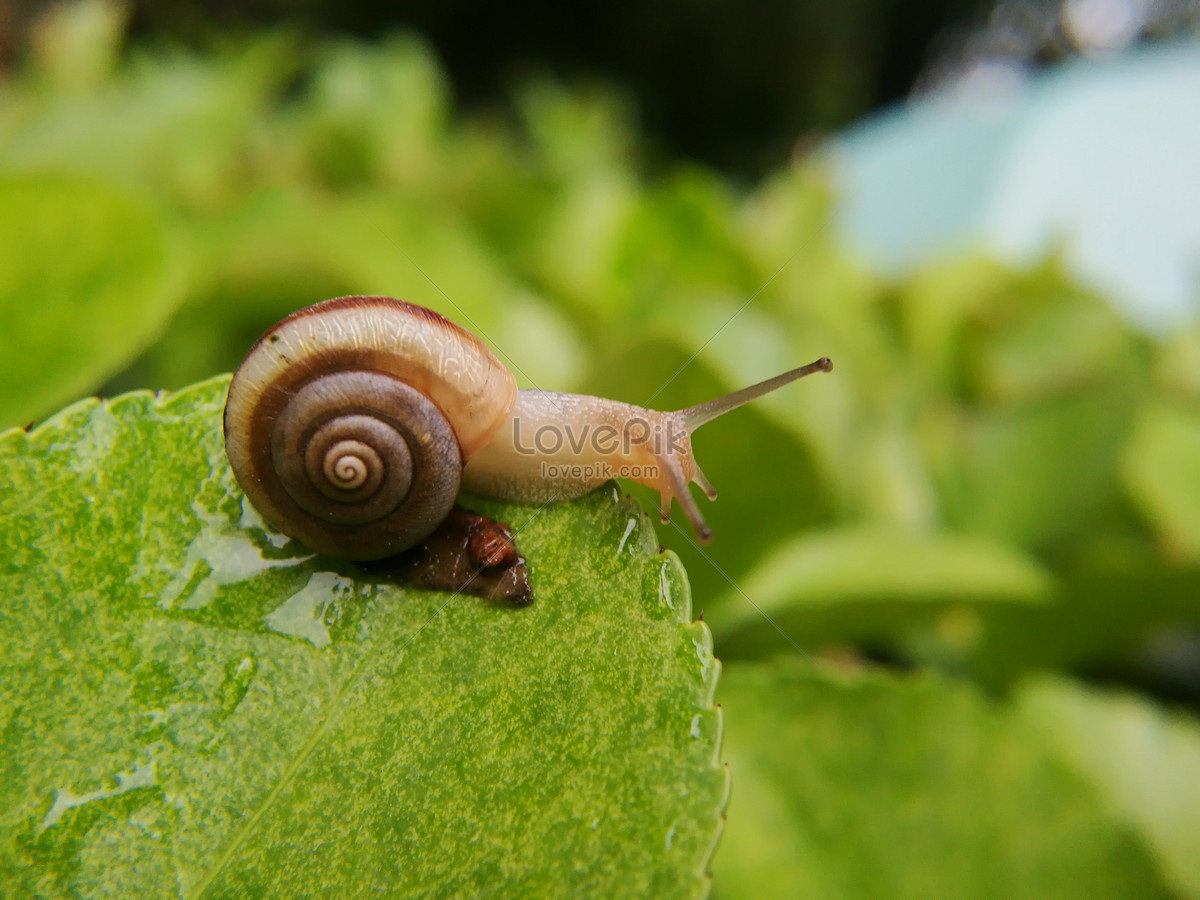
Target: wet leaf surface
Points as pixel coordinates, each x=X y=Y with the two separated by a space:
x=196 y=707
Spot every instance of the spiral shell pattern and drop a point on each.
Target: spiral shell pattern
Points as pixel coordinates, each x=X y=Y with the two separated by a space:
x=348 y=423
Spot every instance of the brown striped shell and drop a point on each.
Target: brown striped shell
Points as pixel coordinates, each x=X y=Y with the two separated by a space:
x=349 y=422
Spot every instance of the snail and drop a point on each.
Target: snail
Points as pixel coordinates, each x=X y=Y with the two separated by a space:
x=353 y=424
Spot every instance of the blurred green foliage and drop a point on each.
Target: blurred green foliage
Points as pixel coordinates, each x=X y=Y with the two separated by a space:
x=999 y=477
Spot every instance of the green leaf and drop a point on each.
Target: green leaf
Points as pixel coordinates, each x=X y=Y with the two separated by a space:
x=1050 y=381
x=184 y=129
x=84 y=286
x=193 y=706
x=1143 y=763
x=1162 y=472
x=377 y=114
x=1031 y=475
x=860 y=785
x=864 y=566
x=77 y=44
x=1103 y=616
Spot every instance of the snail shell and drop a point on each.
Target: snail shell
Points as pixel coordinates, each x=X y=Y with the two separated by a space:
x=349 y=422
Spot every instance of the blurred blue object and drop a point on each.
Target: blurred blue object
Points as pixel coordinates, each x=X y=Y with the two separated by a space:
x=1098 y=158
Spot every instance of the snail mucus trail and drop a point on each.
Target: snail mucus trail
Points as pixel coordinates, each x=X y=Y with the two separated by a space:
x=353 y=424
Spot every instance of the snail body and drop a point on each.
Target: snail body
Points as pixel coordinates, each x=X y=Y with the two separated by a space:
x=352 y=425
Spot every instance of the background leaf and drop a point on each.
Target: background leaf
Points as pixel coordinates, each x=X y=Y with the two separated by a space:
x=85 y=285
x=1140 y=760
x=860 y=785
x=871 y=566
x=1162 y=469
